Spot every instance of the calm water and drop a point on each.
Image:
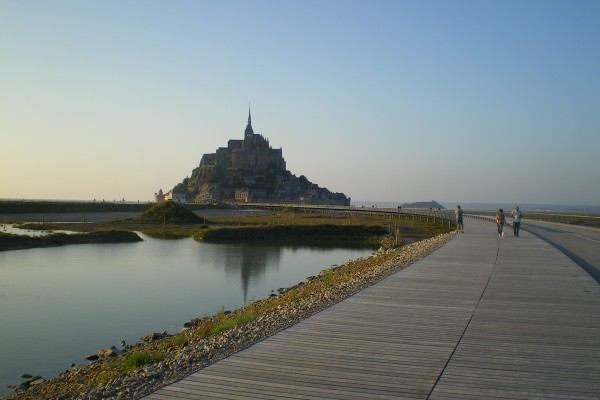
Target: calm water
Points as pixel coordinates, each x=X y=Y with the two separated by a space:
x=58 y=305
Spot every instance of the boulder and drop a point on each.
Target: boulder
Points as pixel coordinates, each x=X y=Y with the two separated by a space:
x=154 y=336
x=106 y=353
x=36 y=381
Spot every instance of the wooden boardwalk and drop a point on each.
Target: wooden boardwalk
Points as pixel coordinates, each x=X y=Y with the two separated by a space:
x=480 y=318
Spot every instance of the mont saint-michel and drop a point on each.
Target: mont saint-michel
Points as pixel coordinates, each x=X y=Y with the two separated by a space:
x=249 y=170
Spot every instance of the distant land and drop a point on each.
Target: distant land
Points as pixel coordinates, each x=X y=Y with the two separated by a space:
x=424 y=204
x=532 y=207
x=418 y=204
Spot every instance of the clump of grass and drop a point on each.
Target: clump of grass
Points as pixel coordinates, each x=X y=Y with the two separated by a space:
x=328 y=278
x=170 y=231
x=175 y=341
x=38 y=226
x=134 y=361
x=106 y=376
x=127 y=364
x=169 y=212
x=226 y=322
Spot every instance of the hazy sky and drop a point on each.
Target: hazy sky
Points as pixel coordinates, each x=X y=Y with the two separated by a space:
x=466 y=101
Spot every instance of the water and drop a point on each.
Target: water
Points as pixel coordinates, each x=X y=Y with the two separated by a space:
x=58 y=305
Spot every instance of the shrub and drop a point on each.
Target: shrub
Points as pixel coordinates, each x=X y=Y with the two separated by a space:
x=169 y=212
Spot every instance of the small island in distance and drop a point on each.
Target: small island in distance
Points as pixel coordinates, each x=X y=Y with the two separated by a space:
x=424 y=204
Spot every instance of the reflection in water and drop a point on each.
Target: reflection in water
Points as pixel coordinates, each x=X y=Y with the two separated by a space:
x=252 y=262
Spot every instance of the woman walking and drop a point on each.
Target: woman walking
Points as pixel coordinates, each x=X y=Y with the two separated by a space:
x=500 y=221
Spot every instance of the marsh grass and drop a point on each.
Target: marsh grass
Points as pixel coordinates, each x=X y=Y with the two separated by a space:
x=583 y=220
x=328 y=278
x=127 y=364
x=133 y=362
x=289 y=225
x=229 y=322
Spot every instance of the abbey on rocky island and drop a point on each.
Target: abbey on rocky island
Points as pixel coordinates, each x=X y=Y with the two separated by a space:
x=249 y=170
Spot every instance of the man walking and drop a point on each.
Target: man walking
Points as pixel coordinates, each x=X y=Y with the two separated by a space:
x=517 y=215
x=459 y=220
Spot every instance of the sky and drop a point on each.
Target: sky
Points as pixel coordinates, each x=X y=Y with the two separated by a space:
x=395 y=101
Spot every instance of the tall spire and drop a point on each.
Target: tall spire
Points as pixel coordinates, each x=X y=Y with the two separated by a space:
x=249 y=131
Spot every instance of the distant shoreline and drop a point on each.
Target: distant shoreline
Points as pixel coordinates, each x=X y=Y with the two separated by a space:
x=531 y=207
x=48 y=206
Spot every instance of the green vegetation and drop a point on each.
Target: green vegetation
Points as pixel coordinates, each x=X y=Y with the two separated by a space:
x=14 y=242
x=225 y=322
x=296 y=233
x=134 y=361
x=328 y=278
x=289 y=226
x=40 y=226
x=168 y=212
x=583 y=220
x=128 y=363
x=14 y=207
x=169 y=220
x=172 y=232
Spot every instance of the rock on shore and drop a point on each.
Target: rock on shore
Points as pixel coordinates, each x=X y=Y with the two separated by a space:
x=198 y=353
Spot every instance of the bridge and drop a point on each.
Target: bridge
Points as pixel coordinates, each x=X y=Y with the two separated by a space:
x=481 y=317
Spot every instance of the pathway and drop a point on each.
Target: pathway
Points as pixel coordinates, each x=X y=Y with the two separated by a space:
x=479 y=318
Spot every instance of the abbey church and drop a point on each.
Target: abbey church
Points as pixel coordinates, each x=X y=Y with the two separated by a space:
x=253 y=153
x=249 y=170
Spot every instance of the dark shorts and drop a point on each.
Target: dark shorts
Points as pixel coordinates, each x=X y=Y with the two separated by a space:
x=460 y=220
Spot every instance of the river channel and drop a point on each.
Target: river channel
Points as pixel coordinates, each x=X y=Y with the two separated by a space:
x=58 y=305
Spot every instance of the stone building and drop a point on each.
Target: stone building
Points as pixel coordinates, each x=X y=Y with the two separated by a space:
x=253 y=153
x=178 y=197
x=250 y=170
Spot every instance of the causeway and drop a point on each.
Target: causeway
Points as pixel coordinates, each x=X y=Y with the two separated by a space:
x=480 y=318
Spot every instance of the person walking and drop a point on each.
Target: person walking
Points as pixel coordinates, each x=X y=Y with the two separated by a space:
x=517 y=215
x=500 y=221
x=459 y=220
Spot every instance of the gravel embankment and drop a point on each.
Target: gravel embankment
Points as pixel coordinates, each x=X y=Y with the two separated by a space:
x=198 y=353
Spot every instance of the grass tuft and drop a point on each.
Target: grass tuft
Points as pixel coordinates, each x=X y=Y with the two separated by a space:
x=134 y=361
x=329 y=278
